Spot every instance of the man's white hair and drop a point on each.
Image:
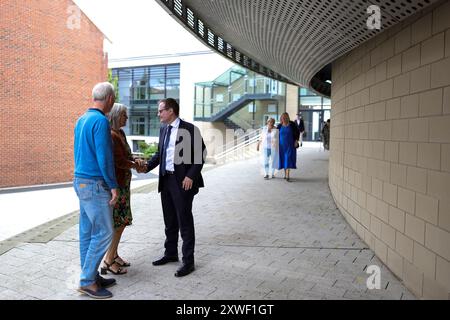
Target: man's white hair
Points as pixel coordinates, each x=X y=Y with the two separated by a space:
x=102 y=91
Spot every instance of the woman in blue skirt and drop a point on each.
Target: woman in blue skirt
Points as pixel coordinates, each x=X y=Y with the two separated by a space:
x=289 y=136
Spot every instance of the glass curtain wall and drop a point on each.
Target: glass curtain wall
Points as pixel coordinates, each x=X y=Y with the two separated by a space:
x=140 y=89
x=314 y=110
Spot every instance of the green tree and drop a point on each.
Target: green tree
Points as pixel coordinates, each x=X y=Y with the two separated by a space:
x=115 y=82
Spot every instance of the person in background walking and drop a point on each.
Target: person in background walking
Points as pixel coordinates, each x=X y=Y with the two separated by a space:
x=301 y=127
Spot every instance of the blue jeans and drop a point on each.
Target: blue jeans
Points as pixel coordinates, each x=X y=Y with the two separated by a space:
x=267 y=158
x=96 y=226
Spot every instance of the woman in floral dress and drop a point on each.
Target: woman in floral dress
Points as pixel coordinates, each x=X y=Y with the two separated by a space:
x=124 y=162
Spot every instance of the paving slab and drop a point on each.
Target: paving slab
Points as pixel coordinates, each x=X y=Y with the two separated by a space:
x=255 y=239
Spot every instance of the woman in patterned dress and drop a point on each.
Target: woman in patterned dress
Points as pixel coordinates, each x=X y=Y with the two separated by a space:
x=124 y=162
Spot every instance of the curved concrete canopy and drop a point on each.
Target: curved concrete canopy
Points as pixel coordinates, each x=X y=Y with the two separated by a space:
x=289 y=40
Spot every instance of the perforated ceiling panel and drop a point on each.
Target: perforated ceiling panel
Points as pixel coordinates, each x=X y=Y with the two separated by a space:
x=287 y=38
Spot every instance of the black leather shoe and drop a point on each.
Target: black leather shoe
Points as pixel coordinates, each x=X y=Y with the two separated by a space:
x=184 y=270
x=164 y=260
x=105 y=283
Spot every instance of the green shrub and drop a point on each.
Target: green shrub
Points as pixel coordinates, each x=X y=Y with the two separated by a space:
x=148 y=149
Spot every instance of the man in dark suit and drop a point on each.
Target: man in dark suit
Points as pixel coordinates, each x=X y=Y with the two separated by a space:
x=301 y=126
x=180 y=157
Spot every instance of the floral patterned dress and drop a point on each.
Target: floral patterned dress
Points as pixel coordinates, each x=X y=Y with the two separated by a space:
x=123 y=160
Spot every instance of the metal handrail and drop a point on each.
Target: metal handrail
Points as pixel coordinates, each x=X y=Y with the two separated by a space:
x=239 y=146
x=240 y=139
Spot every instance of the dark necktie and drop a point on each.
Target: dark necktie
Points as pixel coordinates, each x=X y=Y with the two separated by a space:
x=164 y=151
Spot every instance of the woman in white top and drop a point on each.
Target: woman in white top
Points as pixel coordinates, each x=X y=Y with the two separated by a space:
x=269 y=139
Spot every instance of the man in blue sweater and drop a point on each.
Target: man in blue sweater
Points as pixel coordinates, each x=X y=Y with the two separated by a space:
x=95 y=184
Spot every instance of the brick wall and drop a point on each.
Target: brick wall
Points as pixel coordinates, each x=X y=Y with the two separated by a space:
x=47 y=72
x=390 y=148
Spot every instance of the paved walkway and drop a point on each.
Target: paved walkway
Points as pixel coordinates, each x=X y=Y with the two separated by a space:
x=256 y=239
x=36 y=205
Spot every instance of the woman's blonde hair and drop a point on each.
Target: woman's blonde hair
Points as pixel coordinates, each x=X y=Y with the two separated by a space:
x=272 y=120
x=285 y=116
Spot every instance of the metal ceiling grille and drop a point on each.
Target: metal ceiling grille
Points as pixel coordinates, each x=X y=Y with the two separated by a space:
x=287 y=39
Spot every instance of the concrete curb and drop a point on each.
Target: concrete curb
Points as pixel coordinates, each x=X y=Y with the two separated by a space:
x=53 y=228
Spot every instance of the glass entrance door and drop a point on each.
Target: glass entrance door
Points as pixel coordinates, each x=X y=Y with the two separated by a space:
x=313 y=120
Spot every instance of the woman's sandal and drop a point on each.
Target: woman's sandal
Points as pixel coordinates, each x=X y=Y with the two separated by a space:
x=124 y=264
x=104 y=270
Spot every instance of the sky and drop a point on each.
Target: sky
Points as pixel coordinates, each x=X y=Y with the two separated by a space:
x=139 y=28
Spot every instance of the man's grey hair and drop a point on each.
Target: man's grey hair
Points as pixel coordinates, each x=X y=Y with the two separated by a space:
x=114 y=115
x=102 y=91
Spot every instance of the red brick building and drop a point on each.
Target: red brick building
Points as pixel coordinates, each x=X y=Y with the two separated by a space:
x=51 y=55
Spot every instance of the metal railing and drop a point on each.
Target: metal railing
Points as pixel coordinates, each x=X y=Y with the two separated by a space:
x=243 y=147
x=252 y=86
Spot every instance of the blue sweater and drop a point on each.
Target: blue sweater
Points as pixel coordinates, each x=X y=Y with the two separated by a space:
x=93 y=148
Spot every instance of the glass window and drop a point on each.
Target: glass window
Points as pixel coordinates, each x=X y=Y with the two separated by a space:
x=138 y=125
x=199 y=94
x=141 y=88
x=140 y=83
x=140 y=93
x=306 y=92
x=219 y=97
x=207 y=95
x=140 y=77
x=124 y=85
x=125 y=76
x=173 y=73
x=312 y=101
x=173 y=81
x=173 y=91
x=326 y=115
x=157 y=82
x=198 y=112
x=155 y=124
x=235 y=76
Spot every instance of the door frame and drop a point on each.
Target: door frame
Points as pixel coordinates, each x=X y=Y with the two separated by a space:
x=308 y=129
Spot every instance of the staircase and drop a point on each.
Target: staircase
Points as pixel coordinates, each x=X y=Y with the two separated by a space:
x=217 y=100
x=230 y=124
x=238 y=104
